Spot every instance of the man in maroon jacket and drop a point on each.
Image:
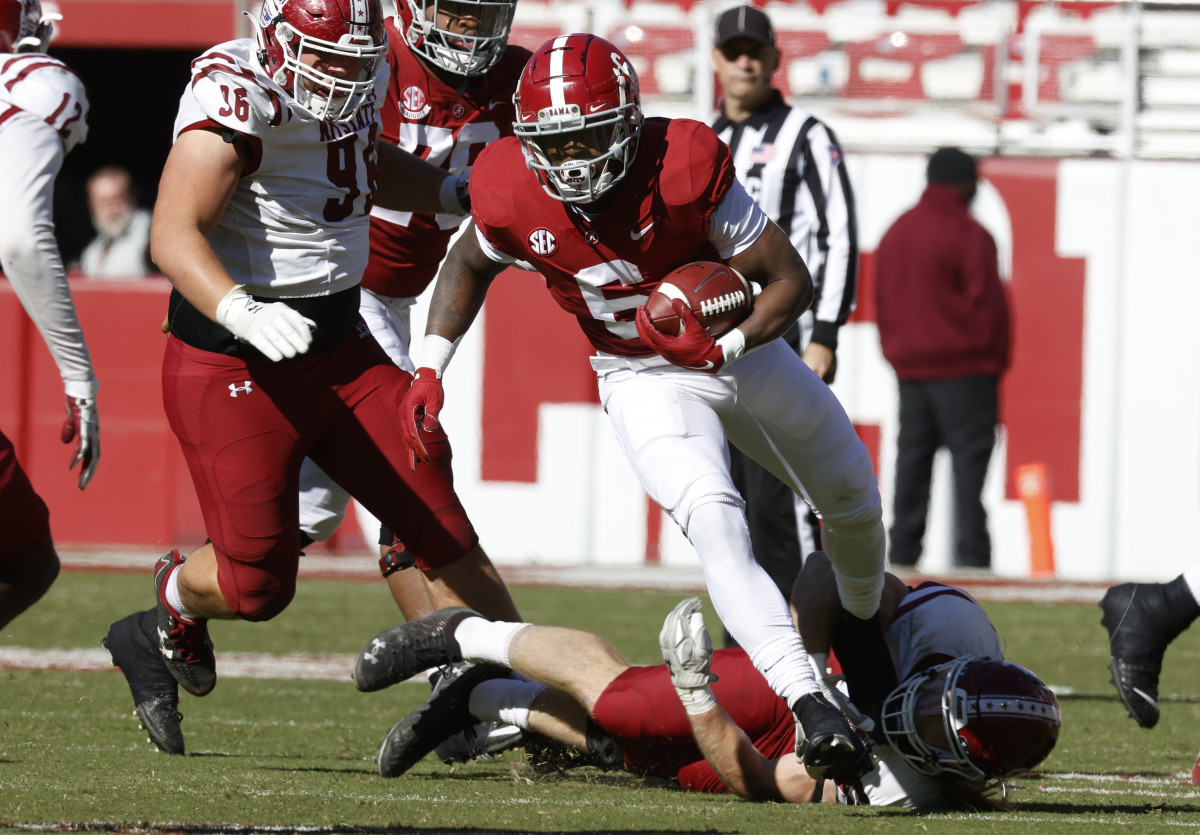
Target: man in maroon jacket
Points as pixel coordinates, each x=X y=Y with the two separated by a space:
x=944 y=327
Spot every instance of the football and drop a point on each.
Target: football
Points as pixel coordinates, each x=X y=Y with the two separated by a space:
x=718 y=295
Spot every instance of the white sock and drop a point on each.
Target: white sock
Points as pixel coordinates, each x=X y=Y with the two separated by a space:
x=1192 y=578
x=785 y=665
x=504 y=700
x=486 y=641
x=173 y=598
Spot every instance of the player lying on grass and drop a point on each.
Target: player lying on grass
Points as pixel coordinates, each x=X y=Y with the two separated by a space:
x=959 y=723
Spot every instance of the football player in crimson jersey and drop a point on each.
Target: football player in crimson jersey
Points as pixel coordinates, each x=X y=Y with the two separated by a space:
x=450 y=93
x=262 y=226
x=43 y=115
x=604 y=203
x=709 y=721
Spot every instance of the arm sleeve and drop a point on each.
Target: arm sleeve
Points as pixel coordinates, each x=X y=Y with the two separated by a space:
x=832 y=202
x=736 y=223
x=28 y=249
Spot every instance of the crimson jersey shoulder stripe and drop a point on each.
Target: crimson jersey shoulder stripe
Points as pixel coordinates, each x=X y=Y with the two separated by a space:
x=929 y=590
x=30 y=67
x=218 y=63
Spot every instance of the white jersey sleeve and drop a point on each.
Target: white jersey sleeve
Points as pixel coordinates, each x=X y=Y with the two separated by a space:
x=45 y=87
x=33 y=145
x=225 y=91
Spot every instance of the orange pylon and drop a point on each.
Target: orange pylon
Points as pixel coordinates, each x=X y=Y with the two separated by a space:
x=1033 y=487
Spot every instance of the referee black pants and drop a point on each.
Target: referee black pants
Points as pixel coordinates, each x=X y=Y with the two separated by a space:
x=959 y=414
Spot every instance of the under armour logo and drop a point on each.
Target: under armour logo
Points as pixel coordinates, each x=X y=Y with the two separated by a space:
x=373 y=654
x=234 y=388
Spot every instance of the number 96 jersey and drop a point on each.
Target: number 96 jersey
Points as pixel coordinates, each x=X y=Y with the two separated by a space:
x=298 y=222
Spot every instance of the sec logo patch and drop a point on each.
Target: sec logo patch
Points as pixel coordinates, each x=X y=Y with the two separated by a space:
x=413 y=103
x=543 y=242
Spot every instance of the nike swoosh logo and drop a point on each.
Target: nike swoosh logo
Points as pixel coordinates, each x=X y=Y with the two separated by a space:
x=708 y=364
x=637 y=236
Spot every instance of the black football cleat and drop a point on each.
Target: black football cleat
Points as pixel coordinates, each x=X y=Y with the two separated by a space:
x=825 y=742
x=185 y=647
x=480 y=741
x=1141 y=619
x=399 y=653
x=133 y=645
x=443 y=714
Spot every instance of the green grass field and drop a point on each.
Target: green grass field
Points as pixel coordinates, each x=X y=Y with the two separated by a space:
x=290 y=755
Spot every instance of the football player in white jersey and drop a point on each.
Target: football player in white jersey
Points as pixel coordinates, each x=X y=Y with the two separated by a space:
x=709 y=721
x=262 y=225
x=450 y=93
x=43 y=115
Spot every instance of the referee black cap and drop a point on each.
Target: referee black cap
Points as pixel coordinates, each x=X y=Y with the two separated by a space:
x=744 y=22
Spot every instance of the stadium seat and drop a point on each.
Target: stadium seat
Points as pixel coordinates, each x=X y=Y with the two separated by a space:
x=799 y=73
x=891 y=66
x=664 y=56
x=531 y=37
x=1054 y=51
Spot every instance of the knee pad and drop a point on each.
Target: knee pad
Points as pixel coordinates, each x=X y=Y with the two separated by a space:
x=259 y=590
x=703 y=491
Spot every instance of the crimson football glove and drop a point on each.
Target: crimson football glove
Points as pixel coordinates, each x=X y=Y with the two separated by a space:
x=82 y=426
x=694 y=348
x=419 y=412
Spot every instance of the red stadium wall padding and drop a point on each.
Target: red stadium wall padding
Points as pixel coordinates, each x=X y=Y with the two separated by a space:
x=141 y=494
x=1041 y=396
x=163 y=24
x=534 y=353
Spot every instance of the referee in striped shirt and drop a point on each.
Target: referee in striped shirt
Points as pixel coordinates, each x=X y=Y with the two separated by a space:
x=792 y=165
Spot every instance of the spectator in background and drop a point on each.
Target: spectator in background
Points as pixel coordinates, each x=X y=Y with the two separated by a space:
x=45 y=116
x=944 y=327
x=122 y=244
x=1141 y=619
x=792 y=165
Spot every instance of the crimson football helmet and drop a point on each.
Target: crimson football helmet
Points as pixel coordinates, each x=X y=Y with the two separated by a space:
x=23 y=27
x=579 y=114
x=300 y=39
x=974 y=717
x=465 y=37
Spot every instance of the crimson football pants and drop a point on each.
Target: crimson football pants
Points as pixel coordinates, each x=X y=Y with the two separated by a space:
x=24 y=518
x=245 y=426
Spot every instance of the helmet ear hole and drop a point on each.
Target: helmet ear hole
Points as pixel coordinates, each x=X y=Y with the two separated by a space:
x=976 y=750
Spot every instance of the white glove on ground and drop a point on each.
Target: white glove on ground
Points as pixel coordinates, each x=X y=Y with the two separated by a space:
x=687 y=650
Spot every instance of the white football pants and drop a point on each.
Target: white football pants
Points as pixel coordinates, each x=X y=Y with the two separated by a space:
x=673 y=424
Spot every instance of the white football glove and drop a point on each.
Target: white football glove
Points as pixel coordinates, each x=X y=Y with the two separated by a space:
x=828 y=685
x=82 y=426
x=687 y=649
x=273 y=328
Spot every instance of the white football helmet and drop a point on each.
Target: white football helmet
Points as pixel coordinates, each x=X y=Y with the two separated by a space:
x=465 y=37
x=578 y=91
x=343 y=33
